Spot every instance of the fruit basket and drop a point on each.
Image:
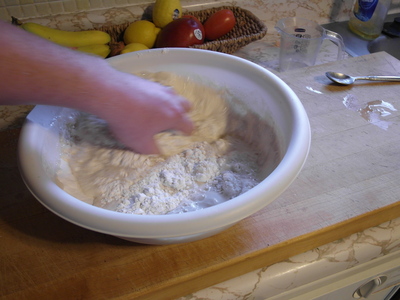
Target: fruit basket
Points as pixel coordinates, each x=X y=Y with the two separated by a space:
x=248 y=29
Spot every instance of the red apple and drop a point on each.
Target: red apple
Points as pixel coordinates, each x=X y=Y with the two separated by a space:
x=182 y=32
x=192 y=17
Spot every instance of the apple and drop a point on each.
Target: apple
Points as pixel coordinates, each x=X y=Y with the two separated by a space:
x=182 y=32
x=192 y=17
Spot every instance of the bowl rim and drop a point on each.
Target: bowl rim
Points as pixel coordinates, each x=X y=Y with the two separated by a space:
x=159 y=226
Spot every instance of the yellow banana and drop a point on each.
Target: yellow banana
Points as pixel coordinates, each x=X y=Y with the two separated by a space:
x=68 y=38
x=101 y=50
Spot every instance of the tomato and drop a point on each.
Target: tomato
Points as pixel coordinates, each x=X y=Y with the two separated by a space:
x=219 y=24
x=182 y=32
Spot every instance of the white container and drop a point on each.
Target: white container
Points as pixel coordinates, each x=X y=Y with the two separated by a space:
x=260 y=90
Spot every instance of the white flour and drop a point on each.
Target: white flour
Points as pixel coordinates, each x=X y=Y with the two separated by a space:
x=219 y=161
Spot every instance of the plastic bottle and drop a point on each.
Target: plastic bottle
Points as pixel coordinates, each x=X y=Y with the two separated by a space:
x=368 y=16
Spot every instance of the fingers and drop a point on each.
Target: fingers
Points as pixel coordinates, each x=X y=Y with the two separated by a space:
x=146 y=145
x=153 y=109
x=178 y=99
x=187 y=106
x=186 y=125
x=178 y=117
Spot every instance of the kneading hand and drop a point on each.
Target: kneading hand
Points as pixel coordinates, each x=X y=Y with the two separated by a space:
x=136 y=109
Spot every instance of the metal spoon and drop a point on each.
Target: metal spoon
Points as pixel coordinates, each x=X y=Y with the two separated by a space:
x=347 y=79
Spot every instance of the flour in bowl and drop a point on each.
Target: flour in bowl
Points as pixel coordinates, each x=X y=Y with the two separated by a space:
x=219 y=161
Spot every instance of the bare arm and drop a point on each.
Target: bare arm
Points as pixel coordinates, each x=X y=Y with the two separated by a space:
x=35 y=71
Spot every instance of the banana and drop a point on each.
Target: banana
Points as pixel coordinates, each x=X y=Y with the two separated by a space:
x=100 y=50
x=68 y=38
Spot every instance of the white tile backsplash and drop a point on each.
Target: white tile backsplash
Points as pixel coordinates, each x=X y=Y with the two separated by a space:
x=25 y=2
x=39 y=8
x=21 y=9
x=11 y=2
x=14 y=10
x=55 y=8
x=43 y=9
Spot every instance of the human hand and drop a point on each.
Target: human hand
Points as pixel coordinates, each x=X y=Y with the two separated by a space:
x=136 y=109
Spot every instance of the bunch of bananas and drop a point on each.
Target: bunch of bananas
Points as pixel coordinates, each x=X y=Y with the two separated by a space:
x=89 y=41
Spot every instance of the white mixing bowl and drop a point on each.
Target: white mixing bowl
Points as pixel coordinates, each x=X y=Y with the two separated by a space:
x=260 y=90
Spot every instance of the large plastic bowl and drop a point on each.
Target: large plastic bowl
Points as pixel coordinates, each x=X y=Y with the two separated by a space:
x=259 y=89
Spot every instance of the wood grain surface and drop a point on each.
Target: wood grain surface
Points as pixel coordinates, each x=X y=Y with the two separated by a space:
x=349 y=183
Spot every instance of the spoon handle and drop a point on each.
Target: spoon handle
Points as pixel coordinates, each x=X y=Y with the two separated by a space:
x=379 y=78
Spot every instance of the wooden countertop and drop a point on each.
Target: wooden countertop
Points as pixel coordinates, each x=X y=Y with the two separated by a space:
x=349 y=183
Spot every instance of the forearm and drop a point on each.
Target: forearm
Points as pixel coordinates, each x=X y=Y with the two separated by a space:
x=36 y=71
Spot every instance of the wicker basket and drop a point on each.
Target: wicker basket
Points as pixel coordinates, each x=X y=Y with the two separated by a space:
x=248 y=29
